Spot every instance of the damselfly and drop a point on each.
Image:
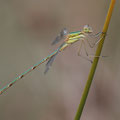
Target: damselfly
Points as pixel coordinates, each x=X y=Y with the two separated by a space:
x=69 y=39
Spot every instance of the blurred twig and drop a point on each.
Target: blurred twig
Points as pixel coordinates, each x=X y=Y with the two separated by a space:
x=95 y=62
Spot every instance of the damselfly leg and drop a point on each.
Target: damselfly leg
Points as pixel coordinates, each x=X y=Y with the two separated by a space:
x=79 y=52
x=91 y=46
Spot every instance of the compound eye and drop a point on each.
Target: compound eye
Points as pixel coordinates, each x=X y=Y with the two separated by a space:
x=86 y=29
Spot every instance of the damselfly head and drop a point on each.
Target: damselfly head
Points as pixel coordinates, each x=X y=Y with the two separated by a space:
x=87 y=29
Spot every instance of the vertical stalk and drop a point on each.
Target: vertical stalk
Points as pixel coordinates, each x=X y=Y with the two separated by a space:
x=95 y=62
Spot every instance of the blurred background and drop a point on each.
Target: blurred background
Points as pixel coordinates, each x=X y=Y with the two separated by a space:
x=27 y=28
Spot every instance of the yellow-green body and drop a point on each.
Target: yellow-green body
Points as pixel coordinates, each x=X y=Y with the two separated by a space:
x=71 y=38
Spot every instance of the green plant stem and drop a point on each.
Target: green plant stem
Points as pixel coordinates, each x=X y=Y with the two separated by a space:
x=95 y=62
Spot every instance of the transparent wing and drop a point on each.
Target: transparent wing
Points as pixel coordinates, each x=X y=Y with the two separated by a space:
x=50 y=62
x=60 y=36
